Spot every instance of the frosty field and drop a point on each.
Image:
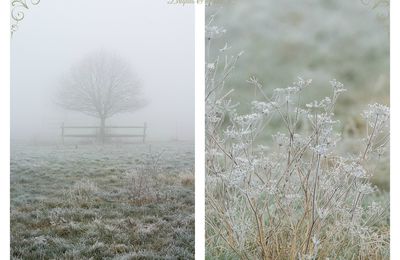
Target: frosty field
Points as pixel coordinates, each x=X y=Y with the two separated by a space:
x=102 y=202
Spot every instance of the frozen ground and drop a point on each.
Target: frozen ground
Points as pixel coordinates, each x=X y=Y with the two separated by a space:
x=102 y=202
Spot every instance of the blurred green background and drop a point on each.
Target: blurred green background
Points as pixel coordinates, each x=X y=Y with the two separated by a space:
x=347 y=40
x=319 y=39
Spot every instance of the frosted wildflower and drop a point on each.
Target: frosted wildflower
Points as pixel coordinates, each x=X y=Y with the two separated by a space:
x=294 y=88
x=237 y=135
x=253 y=81
x=273 y=104
x=265 y=161
x=325 y=103
x=246 y=120
x=247 y=162
x=300 y=111
x=211 y=66
x=263 y=107
x=301 y=83
x=213 y=32
x=321 y=149
x=299 y=141
x=247 y=132
x=256 y=162
x=337 y=86
x=240 y=147
x=279 y=90
x=271 y=189
x=232 y=133
x=376 y=114
x=286 y=93
x=323 y=122
x=355 y=170
x=238 y=175
x=213 y=118
x=259 y=106
x=314 y=104
x=366 y=189
x=292 y=196
x=380 y=151
x=257 y=188
x=326 y=119
x=227 y=106
x=375 y=208
x=359 y=172
x=218 y=102
x=329 y=138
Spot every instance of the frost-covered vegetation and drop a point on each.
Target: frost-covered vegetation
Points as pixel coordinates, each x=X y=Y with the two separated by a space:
x=102 y=202
x=282 y=181
x=342 y=39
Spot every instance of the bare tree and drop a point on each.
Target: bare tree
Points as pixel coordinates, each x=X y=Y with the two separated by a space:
x=101 y=85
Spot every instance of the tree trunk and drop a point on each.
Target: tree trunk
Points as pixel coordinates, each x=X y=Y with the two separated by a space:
x=102 y=130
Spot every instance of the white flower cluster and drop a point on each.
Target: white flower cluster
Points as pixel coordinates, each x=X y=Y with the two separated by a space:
x=337 y=86
x=263 y=107
x=213 y=32
x=376 y=115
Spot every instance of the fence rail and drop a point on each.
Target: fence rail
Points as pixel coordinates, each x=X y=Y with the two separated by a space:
x=96 y=134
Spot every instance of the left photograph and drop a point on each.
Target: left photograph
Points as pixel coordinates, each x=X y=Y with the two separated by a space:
x=102 y=130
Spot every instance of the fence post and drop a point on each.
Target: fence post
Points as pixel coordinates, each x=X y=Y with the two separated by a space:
x=62 y=132
x=144 y=132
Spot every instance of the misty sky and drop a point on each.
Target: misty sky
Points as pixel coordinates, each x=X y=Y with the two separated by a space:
x=157 y=39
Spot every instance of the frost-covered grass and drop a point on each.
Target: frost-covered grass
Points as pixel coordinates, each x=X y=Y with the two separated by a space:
x=102 y=202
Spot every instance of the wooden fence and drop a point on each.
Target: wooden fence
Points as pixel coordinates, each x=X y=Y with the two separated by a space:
x=66 y=131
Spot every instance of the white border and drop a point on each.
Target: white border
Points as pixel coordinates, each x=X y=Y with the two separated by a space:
x=394 y=130
x=5 y=129
x=199 y=132
x=199 y=141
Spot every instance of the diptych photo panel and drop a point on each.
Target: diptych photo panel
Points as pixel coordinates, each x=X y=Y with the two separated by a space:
x=197 y=129
x=102 y=130
x=297 y=130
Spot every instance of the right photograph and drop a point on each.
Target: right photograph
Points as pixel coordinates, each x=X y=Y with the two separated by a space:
x=297 y=129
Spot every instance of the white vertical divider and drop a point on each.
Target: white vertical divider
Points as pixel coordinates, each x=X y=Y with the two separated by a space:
x=199 y=131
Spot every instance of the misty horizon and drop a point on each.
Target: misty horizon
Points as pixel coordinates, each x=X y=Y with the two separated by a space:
x=50 y=41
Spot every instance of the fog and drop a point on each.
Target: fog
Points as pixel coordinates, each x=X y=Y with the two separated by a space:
x=156 y=38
